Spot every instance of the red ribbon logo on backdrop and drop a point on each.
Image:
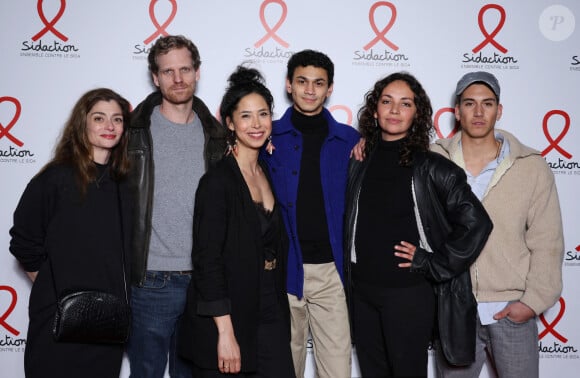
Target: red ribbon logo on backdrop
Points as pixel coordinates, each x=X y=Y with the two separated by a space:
x=271 y=32
x=160 y=28
x=11 y=306
x=554 y=143
x=49 y=25
x=436 y=123
x=380 y=34
x=489 y=38
x=550 y=327
x=345 y=109
x=5 y=130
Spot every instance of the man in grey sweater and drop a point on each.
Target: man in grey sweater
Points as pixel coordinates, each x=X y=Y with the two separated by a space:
x=173 y=139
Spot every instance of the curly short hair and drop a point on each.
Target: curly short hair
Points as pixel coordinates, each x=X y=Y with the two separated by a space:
x=306 y=58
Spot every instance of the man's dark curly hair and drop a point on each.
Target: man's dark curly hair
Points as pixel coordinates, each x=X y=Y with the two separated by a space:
x=419 y=134
x=307 y=58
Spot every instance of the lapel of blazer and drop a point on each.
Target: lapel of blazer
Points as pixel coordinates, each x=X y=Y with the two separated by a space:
x=248 y=207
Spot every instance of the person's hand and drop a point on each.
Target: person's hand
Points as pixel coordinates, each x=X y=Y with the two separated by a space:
x=229 y=358
x=228 y=350
x=406 y=251
x=517 y=312
x=358 y=151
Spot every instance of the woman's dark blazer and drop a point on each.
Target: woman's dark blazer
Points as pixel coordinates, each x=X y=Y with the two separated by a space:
x=228 y=259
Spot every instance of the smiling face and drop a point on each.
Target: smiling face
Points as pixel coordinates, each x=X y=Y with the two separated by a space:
x=176 y=77
x=309 y=89
x=251 y=122
x=478 y=111
x=396 y=110
x=104 y=128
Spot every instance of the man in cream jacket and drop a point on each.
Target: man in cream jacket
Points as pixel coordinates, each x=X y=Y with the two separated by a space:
x=518 y=275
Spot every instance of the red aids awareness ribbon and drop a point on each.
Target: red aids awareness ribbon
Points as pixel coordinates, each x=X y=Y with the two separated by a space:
x=489 y=37
x=49 y=25
x=8 y=311
x=160 y=28
x=436 y=122
x=380 y=35
x=554 y=142
x=5 y=130
x=345 y=109
x=550 y=327
x=271 y=32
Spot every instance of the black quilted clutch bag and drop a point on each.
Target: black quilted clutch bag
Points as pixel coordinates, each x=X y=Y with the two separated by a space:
x=92 y=317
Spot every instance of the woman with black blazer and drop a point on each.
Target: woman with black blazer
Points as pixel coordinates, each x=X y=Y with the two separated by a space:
x=237 y=317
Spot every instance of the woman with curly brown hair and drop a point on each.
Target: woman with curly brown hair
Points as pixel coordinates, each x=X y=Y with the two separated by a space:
x=70 y=233
x=412 y=224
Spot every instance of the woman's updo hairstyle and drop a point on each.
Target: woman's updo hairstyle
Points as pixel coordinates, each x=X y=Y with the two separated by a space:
x=242 y=82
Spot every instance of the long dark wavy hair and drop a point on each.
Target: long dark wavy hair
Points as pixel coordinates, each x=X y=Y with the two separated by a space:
x=74 y=149
x=421 y=130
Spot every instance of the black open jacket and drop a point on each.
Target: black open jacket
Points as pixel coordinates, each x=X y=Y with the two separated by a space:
x=455 y=226
x=228 y=258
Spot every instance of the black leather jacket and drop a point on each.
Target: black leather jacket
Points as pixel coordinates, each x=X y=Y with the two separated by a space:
x=454 y=226
x=141 y=177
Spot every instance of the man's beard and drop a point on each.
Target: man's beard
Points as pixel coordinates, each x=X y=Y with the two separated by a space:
x=179 y=97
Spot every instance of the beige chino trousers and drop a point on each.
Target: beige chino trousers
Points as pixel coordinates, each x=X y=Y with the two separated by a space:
x=323 y=311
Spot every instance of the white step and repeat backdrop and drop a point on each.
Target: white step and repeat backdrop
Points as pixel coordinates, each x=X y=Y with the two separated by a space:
x=52 y=51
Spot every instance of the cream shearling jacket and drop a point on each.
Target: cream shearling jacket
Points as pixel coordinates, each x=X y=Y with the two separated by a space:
x=522 y=259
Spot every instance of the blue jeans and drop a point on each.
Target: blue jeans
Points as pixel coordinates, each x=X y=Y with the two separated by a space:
x=157 y=309
x=512 y=348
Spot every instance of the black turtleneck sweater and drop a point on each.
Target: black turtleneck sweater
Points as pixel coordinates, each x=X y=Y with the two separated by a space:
x=310 y=212
x=385 y=218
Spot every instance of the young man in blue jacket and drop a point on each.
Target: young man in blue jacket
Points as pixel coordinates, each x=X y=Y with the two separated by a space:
x=309 y=172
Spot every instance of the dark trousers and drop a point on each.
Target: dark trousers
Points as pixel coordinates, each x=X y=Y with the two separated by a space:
x=392 y=329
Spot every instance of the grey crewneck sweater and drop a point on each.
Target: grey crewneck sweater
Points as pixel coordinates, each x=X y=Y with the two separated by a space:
x=178 y=164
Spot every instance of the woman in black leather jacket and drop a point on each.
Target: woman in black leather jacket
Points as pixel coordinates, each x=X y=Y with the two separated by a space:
x=413 y=227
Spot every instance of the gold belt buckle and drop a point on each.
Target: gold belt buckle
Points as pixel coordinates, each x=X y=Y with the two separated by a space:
x=270 y=265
